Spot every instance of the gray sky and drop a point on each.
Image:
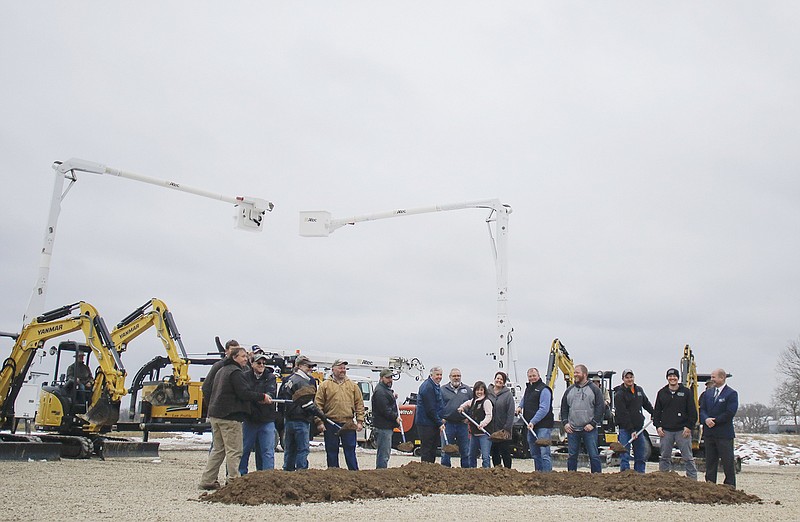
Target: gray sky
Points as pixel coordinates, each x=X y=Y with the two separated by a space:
x=649 y=151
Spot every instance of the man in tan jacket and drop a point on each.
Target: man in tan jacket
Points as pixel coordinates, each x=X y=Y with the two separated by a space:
x=340 y=400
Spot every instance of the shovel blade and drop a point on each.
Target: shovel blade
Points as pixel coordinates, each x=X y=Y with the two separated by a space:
x=406 y=447
x=450 y=449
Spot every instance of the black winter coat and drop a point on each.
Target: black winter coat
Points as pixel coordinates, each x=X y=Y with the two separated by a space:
x=384 y=407
x=628 y=407
x=231 y=395
x=266 y=384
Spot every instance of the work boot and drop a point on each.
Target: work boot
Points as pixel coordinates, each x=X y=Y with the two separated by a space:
x=211 y=487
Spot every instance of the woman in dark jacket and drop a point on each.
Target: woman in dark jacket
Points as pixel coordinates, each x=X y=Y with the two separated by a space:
x=503 y=419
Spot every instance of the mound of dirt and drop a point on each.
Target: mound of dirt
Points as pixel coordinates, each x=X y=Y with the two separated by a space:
x=417 y=478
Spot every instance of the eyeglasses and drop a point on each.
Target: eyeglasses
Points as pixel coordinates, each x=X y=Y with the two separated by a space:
x=259 y=362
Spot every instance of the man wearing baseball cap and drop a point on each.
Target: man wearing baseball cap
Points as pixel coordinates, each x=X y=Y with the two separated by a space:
x=629 y=399
x=674 y=416
x=385 y=417
x=297 y=420
x=340 y=399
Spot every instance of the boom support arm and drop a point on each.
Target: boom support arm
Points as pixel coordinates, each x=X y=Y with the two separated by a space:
x=322 y=224
x=250 y=214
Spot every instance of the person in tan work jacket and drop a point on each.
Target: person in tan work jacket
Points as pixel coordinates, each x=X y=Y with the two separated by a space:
x=340 y=399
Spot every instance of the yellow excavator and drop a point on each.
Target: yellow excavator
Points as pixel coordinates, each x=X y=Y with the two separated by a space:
x=75 y=417
x=173 y=391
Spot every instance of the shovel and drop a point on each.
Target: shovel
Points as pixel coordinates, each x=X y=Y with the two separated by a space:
x=450 y=449
x=473 y=421
x=538 y=442
x=407 y=447
x=616 y=447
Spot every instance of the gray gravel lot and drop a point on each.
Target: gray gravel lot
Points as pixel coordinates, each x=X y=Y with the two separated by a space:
x=166 y=489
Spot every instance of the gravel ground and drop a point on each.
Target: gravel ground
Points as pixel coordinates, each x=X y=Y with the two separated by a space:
x=166 y=489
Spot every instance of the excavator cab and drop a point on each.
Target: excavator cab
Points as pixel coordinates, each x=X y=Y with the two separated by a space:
x=64 y=402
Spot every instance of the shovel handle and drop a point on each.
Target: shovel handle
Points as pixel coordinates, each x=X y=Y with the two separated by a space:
x=527 y=425
x=475 y=423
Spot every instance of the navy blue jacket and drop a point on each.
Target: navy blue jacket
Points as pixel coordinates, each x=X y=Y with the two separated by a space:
x=722 y=409
x=429 y=404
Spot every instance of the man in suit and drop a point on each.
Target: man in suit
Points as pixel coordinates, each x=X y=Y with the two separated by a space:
x=717 y=410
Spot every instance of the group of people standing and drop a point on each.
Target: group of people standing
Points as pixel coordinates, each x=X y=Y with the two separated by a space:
x=458 y=414
x=480 y=419
x=242 y=395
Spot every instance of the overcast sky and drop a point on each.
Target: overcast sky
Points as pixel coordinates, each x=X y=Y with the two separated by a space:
x=649 y=152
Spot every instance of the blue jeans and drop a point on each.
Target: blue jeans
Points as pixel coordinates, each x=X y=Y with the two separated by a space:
x=589 y=439
x=540 y=454
x=457 y=433
x=639 y=447
x=480 y=444
x=383 y=443
x=264 y=433
x=295 y=444
x=348 y=440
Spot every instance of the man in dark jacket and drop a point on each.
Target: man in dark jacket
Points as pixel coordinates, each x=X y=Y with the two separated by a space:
x=258 y=430
x=537 y=410
x=582 y=409
x=385 y=417
x=674 y=416
x=228 y=407
x=454 y=394
x=297 y=420
x=208 y=383
x=717 y=410
x=428 y=417
x=629 y=399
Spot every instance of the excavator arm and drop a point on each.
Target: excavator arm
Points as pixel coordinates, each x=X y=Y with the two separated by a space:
x=110 y=378
x=155 y=313
x=559 y=360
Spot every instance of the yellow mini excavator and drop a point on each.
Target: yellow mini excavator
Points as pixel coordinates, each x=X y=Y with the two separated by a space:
x=72 y=414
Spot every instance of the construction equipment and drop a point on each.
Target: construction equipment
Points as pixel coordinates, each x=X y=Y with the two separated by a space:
x=154 y=313
x=77 y=423
x=320 y=223
x=249 y=216
x=559 y=360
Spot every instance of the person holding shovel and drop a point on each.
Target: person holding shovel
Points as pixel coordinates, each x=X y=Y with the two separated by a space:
x=629 y=399
x=297 y=420
x=480 y=409
x=537 y=411
x=456 y=431
x=340 y=399
x=503 y=415
x=428 y=415
x=582 y=408
x=385 y=417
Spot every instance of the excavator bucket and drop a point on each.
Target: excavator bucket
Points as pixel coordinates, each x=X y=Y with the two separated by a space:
x=167 y=394
x=103 y=412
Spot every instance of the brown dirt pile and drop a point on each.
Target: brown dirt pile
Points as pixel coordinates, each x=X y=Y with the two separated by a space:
x=415 y=478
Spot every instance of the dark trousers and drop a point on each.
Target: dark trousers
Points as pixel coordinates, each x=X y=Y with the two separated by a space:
x=428 y=442
x=720 y=450
x=501 y=452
